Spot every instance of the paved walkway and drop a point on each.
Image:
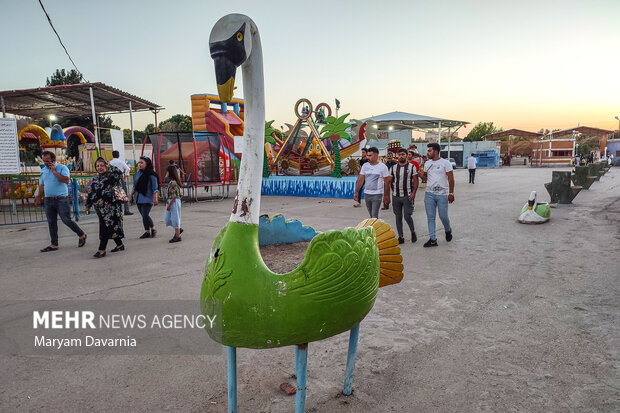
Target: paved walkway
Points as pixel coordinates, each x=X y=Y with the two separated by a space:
x=506 y=317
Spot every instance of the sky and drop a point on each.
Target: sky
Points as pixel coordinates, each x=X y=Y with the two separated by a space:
x=526 y=64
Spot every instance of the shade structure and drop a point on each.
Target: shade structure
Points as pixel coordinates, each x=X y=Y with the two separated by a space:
x=404 y=120
x=72 y=101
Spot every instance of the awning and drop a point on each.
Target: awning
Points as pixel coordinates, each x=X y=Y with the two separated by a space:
x=404 y=120
x=72 y=100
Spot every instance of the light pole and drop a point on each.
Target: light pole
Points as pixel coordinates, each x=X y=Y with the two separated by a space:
x=618 y=119
x=52 y=118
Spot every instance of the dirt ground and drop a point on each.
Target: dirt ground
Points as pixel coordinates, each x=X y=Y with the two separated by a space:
x=506 y=317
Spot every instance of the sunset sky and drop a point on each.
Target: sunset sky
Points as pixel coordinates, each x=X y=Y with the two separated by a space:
x=527 y=64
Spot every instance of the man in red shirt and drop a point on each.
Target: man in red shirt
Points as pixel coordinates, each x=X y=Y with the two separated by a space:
x=410 y=155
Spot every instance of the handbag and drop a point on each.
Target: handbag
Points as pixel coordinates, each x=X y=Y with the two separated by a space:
x=119 y=194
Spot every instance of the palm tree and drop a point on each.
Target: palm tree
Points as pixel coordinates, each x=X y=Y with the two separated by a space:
x=268 y=139
x=336 y=130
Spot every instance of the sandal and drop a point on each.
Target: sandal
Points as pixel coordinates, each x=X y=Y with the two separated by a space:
x=49 y=248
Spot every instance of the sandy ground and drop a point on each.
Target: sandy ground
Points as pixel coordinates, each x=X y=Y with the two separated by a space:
x=506 y=317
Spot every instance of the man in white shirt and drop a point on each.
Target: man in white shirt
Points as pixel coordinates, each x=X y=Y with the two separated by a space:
x=117 y=163
x=375 y=175
x=439 y=192
x=404 y=183
x=472 y=162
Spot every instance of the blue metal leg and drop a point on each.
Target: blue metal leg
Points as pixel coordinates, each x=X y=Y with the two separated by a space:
x=301 y=365
x=232 y=380
x=348 y=374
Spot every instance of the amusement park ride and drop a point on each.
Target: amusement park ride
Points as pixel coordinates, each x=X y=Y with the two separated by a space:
x=309 y=154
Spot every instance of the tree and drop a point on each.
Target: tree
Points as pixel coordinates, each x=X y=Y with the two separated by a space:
x=176 y=123
x=336 y=130
x=62 y=77
x=481 y=129
x=138 y=136
x=150 y=128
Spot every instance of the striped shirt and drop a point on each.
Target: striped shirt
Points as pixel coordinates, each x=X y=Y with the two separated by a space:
x=402 y=179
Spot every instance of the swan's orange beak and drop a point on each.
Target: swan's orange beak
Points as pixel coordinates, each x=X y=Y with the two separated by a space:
x=226 y=90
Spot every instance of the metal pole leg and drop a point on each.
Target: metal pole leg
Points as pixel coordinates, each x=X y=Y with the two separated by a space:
x=232 y=380
x=301 y=364
x=348 y=374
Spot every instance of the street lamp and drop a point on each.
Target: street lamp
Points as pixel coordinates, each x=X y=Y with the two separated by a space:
x=52 y=118
x=618 y=119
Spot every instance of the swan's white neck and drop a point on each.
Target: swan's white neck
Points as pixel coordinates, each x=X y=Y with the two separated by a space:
x=247 y=201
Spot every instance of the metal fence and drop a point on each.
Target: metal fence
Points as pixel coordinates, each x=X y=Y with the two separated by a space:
x=17 y=196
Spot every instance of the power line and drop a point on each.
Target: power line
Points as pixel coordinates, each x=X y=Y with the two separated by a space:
x=60 y=40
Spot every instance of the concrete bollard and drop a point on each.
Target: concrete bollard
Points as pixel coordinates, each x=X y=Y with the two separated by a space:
x=593 y=170
x=582 y=177
x=560 y=189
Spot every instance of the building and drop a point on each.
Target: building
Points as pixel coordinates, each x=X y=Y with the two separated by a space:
x=553 y=152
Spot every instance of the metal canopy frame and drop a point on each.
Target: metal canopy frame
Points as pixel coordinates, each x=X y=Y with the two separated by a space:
x=71 y=100
x=77 y=100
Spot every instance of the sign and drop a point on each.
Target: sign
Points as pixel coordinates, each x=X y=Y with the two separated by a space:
x=9 y=147
x=118 y=143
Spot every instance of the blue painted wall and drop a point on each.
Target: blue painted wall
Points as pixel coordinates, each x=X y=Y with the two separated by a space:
x=310 y=186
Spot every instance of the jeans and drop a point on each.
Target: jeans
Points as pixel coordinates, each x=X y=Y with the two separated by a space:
x=145 y=210
x=126 y=204
x=472 y=175
x=433 y=202
x=55 y=207
x=400 y=204
x=373 y=203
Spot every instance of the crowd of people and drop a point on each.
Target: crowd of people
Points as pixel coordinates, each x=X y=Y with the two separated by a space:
x=106 y=193
x=397 y=181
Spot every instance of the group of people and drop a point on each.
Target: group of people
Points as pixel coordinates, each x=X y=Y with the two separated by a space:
x=107 y=194
x=398 y=185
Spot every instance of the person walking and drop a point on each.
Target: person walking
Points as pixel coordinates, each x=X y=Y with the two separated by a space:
x=173 y=204
x=106 y=194
x=439 y=192
x=374 y=175
x=146 y=185
x=472 y=162
x=122 y=166
x=362 y=162
x=53 y=187
x=389 y=162
x=404 y=182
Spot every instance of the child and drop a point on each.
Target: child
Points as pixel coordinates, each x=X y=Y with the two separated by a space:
x=173 y=205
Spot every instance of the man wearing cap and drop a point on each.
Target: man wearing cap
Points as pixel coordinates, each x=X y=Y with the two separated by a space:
x=403 y=180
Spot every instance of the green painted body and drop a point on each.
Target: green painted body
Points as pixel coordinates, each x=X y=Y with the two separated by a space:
x=332 y=289
x=541 y=209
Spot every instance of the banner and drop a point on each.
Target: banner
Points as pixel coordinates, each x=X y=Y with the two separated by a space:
x=9 y=147
x=118 y=142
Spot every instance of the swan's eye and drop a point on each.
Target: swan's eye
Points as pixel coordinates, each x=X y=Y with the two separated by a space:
x=216 y=255
x=239 y=36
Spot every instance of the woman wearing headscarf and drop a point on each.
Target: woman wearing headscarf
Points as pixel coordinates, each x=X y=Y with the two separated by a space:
x=173 y=204
x=105 y=193
x=146 y=185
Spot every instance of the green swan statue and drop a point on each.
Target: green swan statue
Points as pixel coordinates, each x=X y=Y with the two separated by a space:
x=334 y=287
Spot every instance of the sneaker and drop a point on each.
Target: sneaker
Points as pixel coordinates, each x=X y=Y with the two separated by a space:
x=448 y=236
x=82 y=241
x=175 y=239
x=153 y=233
x=414 y=237
x=128 y=213
x=357 y=205
x=145 y=235
x=430 y=243
x=401 y=240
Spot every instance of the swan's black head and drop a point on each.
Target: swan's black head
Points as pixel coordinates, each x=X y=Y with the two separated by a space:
x=230 y=46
